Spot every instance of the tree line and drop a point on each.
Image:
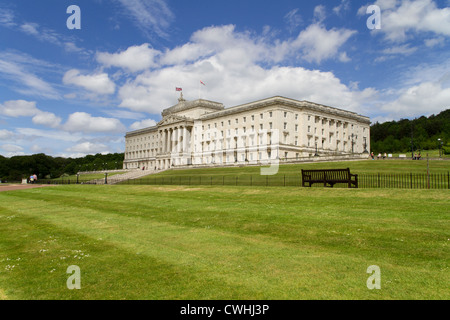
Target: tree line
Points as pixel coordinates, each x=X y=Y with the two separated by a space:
x=412 y=135
x=48 y=167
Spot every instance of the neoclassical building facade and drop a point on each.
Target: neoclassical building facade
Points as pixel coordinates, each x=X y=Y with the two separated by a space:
x=205 y=133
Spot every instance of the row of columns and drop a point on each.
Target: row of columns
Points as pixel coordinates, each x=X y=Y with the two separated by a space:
x=175 y=140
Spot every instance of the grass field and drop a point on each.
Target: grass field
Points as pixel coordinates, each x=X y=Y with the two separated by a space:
x=87 y=176
x=359 y=167
x=175 y=242
x=371 y=174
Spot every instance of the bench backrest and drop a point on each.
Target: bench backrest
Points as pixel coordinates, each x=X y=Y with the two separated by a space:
x=327 y=174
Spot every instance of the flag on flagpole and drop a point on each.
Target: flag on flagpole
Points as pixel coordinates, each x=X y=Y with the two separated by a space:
x=202 y=83
x=178 y=89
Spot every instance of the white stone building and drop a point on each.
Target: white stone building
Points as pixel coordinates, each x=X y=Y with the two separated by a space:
x=205 y=133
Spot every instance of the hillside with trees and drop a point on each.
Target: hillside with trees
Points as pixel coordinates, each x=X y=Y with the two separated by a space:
x=47 y=167
x=406 y=135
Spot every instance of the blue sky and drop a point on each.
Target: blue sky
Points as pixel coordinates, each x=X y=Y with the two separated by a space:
x=71 y=92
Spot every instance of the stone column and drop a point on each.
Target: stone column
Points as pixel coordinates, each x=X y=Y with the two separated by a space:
x=179 y=133
x=164 y=143
x=185 y=137
x=169 y=141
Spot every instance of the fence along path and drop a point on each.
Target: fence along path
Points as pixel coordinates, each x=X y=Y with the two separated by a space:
x=365 y=180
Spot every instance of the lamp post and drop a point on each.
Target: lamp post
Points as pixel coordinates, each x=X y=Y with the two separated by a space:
x=440 y=143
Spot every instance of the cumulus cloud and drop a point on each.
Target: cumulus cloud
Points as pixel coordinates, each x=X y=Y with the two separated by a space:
x=84 y=122
x=11 y=148
x=6 y=134
x=405 y=17
x=425 y=98
x=143 y=124
x=135 y=58
x=317 y=43
x=98 y=83
x=47 y=119
x=88 y=147
x=22 y=108
x=238 y=67
x=19 y=108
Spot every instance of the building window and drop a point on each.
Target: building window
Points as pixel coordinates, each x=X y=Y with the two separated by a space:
x=237 y=121
x=296 y=127
x=296 y=116
x=261 y=126
x=229 y=122
x=253 y=117
x=262 y=116
x=309 y=128
x=245 y=119
x=270 y=125
x=285 y=125
x=270 y=114
x=285 y=114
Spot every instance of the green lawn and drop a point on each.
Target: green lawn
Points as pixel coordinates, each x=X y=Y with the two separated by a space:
x=86 y=177
x=359 y=167
x=174 y=242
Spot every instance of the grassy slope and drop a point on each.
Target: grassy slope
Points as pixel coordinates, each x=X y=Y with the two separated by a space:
x=363 y=166
x=223 y=243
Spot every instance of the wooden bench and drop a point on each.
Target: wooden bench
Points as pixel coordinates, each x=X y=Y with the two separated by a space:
x=329 y=176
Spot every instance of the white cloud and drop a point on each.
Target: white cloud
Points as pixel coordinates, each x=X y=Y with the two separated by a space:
x=22 y=108
x=229 y=62
x=30 y=28
x=150 y=16
x=402 y=17
x=19 y=108
x=135 y=58
x=293 y=19
x=84 y=122
x=425 y=98
x=88 y=148
x=430 y=43
x=400 y=50
x=343 y=57
x=11 y=148
x=342 y=7
x=7 y=18
x=6 y=134
x=317 y=43
x=143 y=124
x=30 y=84
x=52 y=135
x=319 y=13
x=98 y=83
x=47 y=119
